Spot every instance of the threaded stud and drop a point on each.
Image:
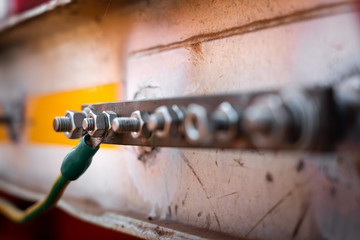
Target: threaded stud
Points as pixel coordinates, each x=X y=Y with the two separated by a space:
x=88 y=124
x=125 y=124
x=62 y=124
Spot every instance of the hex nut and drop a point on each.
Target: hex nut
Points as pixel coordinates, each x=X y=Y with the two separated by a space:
x=306 y=116
x=266 y=121
x=225 y=109
x=180 y=116
x=169 y=121
x=100 y=124
x=86 y=111
x=110 y=116
x=197 y=128
x=347 y=92
x=76 y=124
x=143 y=131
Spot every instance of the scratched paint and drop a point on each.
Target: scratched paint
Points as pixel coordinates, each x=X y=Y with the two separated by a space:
x=214 y=180
x=218 y=46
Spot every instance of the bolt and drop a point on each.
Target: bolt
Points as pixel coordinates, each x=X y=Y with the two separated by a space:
x=97 y=126
x=165 y=121
x=125 y=124
x=88 y=124
x=258 y=119
x=62 y=124
x=225 y=120
x=269 y=122
x=71 y=124
x=156 y=122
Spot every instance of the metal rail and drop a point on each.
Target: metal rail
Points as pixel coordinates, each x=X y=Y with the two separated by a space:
x=322 y=119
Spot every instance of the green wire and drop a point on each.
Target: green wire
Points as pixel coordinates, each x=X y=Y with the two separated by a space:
x=23 y=216
x=51 y=199
x=73 y=166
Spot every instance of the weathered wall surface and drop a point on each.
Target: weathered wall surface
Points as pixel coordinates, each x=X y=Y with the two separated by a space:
x=163 y=49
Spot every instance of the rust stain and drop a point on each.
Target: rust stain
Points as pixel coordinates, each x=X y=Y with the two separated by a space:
x=300 y=165
x=240 y=162
x=176 y=209
x=183 y=201
x=269 y=177
x=207 y=222
x=195 y=52
x=162 y=233
x=297 y=16
x=169 y=214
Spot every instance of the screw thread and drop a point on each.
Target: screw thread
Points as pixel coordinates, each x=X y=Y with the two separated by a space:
x=88 y=124
x=125 y=124
x=62 y=124
x=156 y=122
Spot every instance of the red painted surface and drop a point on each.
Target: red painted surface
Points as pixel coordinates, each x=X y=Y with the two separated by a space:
x=55 y=225
x=22 y=5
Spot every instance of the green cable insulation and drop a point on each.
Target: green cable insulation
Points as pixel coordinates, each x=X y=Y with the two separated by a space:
x=74 y=165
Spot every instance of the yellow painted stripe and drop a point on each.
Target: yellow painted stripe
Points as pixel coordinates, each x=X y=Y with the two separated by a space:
x=41 y=110
x=2 y=129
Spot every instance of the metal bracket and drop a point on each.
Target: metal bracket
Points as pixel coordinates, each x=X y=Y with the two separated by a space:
x=321 y=119
x=13 y=117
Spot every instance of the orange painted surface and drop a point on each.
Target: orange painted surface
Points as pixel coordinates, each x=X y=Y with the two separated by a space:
x=41 y=110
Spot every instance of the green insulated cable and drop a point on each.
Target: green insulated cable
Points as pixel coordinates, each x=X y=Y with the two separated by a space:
x=74 y=165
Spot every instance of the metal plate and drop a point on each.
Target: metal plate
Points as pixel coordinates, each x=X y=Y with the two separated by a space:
x=322 y=97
